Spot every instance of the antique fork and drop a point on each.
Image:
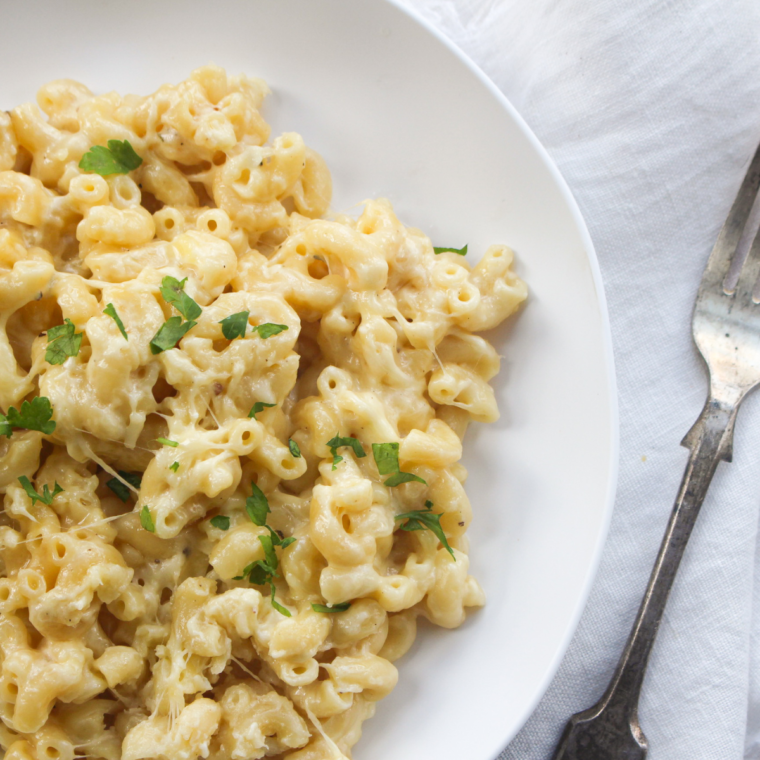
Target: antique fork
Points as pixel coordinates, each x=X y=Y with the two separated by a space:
x=726 y=329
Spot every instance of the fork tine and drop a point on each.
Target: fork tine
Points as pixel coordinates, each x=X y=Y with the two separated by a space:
x=731 y=232
x=750 y=272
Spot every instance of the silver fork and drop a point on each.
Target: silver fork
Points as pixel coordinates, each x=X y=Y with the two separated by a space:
x=726 y=329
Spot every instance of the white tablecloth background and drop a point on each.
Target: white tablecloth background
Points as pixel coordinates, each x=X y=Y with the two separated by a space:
x=651 y=110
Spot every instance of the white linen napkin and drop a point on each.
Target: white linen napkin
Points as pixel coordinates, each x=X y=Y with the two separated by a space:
x=651 y=110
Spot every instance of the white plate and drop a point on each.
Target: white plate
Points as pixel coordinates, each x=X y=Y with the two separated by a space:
x=398 y=112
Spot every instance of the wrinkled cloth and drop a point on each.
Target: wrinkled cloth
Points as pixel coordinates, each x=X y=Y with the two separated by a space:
x=651 y=110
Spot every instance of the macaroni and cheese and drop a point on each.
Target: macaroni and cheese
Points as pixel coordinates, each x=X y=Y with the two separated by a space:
x=231 y=431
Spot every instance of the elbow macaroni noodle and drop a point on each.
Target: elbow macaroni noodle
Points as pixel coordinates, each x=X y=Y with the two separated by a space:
x=118 y=642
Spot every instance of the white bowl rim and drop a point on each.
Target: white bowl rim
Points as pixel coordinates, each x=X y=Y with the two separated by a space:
x=614 y=432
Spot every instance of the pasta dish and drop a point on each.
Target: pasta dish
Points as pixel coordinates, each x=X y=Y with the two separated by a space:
x=230 y=434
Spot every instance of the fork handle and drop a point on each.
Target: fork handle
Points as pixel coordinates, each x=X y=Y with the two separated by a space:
x=605 y=731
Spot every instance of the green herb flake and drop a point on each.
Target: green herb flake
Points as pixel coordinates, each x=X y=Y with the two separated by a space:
x=257 y=506
x=260 y=572
x=146 y=520
x=338 y=442
x=173 y=292
x=403 y=477
x=282 y=610
x=286 y=542
x=234 y=325
x=32 y=415
x=259 y=406
x=118 y=487
x=174 y=466
x=110 y=310
x=220 y=521
x=331 y=608
x=268 y=329
x=167 y=442
x=169 y=334
x=294 y=450
x=460 y=251
x=422 y=519
x=386 y=457
x=46 y=497
x=270 y=555
x=63 y=342
x=118 y=158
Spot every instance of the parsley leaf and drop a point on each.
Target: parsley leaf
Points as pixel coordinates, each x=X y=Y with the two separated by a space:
x=46 y=497
x=460 y=251
x=338 y=442
x=403 y=477
x=260 y=572
x=167 y=442
x=259 y=406
x=421 y=519
x=342 y=607
x=174 y=466
x=118 y=158
x=282 y=610
x=63 y=341
x=268 y=329
x=270 y=554
x=34 y=415
x=146 y=520
x=294 y=450
x=134 y=479
x=386 y=457
x=173 y=292
x=257 y=506
x=221 y=521
x=110 y=310
x=169 y=334
x=234 y=325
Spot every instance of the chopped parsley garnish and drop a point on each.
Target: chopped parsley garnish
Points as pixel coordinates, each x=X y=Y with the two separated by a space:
x=167 y=442
x=282 y=610
x=294 y=450
x=133 y=478
x=173 y=292
x=338 y=442
x=234 y=325
x=174 y=466
x=260 y=572
x=63 y=342
x=460 y=251
x=46 y=497
x=386 y=459
x=259 y=406
x=110 y=310
x=268 y=329
x=342 y=607
x=403 y=477
x=257 y=506
x=169 y=334
x=422 y=519
x=146 y=519
x=33 y=415
x=118 y=158
x=220 y=521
